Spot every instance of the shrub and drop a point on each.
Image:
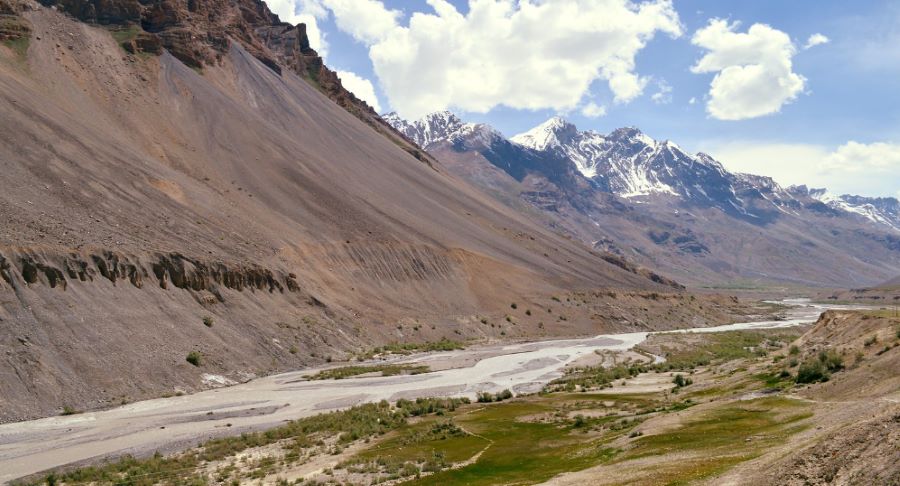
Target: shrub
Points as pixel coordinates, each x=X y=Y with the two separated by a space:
x=580 y=421
x=67 y=410
x=681 y=381
x=208 y=321
x=872 y=340
x=528 y=312
x=504 y=395
x=194 y=358
x=794 y=350
x=812 y=371
x=831 y=360
x=514 y=306
x=485 y=397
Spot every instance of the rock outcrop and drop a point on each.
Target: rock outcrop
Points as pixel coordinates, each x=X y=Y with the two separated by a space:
x=55 y=269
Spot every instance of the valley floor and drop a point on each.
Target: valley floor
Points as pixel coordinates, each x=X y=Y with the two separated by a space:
x=585 y=424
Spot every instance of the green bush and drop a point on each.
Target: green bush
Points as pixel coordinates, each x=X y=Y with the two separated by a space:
x=812 y=371
x=831 y=360
x=485 y=397
x=194 y=358
x=681 y=381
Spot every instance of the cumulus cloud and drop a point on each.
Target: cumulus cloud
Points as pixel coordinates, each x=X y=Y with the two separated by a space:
x=526 y=54
x=664 y=94
x=816 y=40
x=368 y=21
x=754 y=70
x=853 y=168
x=593 y=110
x=361 y=87
x=879 y=157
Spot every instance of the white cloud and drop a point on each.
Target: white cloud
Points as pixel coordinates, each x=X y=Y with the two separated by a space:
x=816 y=40
x=877 y=158
x=692 y=101
x=521 y=54
x=361 y=87
x=664 y=95
x=368 y=21
x=754 y=70
x=853 y=168
x=593 y=110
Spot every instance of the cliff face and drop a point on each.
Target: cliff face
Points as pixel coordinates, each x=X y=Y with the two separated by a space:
x=200 y=32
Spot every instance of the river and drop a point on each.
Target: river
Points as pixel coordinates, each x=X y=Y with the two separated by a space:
x=171 y=423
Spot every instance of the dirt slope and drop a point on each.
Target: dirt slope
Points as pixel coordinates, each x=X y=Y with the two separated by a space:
x=856 y=439
x=141 y=196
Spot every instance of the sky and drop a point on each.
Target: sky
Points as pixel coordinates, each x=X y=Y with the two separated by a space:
x=805 y=91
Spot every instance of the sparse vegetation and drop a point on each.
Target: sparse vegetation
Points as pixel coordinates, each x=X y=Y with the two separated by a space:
x=384 y=370
x=208 y=321
x=409 y=348
x=680 y=381
x=819 y=368
x=358 y=423
x=194 y=358
x=486 y=397
x=67 y=410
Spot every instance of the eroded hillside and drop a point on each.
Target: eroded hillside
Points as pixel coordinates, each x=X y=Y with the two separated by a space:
x=180 y=178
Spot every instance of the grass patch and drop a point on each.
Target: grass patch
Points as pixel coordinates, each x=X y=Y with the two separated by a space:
x=122 y=35
x=410 y=348
x=384 y=370
x=764 y=421
x=19 y=47
x=689 y=351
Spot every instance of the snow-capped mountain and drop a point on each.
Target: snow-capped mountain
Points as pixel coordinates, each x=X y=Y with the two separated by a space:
x=663 y=207
x=629 y=163
x=881 y=210
x=443 y=126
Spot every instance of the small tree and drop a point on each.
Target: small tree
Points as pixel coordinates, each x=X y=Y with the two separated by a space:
x=681 y=381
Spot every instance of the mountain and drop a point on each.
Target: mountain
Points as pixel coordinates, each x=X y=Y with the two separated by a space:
x=881 y=210
x=188 y=176
x=667 y=209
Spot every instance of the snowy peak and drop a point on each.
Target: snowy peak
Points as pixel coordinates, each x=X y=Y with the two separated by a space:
x=881 y=210
x=430 y=129
x=553 y=133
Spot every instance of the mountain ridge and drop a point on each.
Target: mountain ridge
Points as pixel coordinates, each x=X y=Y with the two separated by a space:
x=631 y=183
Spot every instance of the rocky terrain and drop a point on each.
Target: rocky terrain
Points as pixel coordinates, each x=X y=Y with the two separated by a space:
x=680 y=213
x=191 y=198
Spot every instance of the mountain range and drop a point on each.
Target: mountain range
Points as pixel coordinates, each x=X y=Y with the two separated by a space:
x=667 y=209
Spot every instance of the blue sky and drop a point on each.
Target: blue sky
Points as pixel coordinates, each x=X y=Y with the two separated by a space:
x=838 y=126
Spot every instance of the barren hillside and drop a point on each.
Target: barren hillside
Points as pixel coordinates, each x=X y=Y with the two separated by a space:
x=167 y=192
